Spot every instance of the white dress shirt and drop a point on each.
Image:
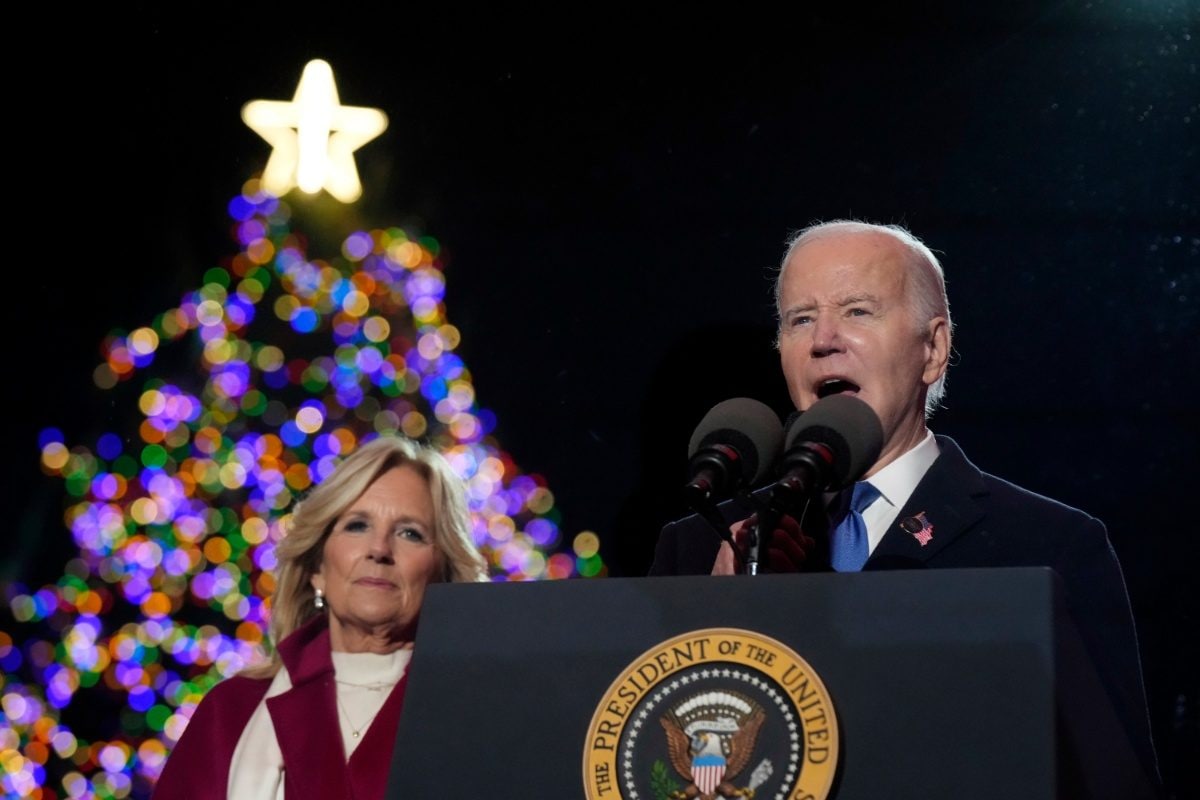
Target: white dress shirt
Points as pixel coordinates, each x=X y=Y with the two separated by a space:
x=896 y=482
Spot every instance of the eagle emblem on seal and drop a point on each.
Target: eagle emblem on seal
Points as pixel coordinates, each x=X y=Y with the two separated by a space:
x=710 y=739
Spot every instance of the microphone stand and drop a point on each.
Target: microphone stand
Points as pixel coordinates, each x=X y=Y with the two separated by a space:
x=704 y=506
x=765 y=520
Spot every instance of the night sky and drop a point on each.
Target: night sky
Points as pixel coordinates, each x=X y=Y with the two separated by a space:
x=612 y=198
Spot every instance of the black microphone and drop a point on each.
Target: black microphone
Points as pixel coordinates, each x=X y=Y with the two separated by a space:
x=736 y=444
x=829 y=447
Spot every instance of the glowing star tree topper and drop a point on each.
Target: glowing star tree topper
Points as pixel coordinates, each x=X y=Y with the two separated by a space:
x=314 y=136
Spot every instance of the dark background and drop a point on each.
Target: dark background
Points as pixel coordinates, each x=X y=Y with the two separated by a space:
x=612 y=196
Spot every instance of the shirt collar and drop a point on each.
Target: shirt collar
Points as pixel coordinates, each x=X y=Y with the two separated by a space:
x=898 y=480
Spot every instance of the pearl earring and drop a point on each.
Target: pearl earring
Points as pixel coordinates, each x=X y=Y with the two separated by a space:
x=319 y=600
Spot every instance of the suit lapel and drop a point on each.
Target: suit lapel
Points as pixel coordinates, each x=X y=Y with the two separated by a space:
x=943 y=506
x=305 y=717
x=371 y=763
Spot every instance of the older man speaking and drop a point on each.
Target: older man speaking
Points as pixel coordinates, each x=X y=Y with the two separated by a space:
x=863 y=311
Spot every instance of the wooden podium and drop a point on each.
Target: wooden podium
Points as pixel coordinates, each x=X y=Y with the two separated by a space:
x=943 y=683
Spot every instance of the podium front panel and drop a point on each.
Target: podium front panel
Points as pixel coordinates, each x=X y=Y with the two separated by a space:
x=942 y=681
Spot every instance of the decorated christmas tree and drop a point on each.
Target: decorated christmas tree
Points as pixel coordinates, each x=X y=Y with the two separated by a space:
x=291 y=352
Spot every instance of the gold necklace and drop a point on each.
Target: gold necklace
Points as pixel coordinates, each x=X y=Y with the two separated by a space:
x=378 y=686
x=356 y=730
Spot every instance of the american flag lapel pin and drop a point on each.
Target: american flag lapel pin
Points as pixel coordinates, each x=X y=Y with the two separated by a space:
x=920 y=528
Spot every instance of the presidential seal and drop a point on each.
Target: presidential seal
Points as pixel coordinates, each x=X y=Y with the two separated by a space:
x=715 y=713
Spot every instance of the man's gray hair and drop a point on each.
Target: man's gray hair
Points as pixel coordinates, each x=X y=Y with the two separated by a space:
x=928 y=293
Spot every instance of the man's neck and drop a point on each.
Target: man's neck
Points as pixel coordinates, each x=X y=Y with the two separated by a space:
x=898 y=446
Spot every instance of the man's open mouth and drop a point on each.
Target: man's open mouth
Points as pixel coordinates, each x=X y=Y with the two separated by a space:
x=836 y=386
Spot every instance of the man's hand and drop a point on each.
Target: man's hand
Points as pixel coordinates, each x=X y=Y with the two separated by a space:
x=786 y=549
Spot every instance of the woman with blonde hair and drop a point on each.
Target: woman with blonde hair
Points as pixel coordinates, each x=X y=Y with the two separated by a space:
x=319 y=719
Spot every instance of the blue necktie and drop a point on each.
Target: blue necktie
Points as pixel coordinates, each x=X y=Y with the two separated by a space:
x=849 y=543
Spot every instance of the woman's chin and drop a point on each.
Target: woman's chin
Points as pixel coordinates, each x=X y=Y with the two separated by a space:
x=375 y=626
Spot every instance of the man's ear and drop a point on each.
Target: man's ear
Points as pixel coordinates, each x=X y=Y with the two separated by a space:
x=937 y=350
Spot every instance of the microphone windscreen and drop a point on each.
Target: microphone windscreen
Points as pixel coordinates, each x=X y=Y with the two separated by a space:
x=847 y=426
x=748 y=426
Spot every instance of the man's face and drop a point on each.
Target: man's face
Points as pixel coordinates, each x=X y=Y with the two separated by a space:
x=848 y=327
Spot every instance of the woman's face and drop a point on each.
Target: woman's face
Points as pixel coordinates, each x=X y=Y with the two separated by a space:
x=376 y=563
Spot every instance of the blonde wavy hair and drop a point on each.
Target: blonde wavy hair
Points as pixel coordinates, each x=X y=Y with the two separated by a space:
x=300 y=551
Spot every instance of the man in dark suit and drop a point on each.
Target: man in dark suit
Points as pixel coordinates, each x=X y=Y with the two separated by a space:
x=863 y=311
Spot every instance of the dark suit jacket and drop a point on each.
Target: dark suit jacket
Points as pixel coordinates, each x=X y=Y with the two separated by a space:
x=979 y=520
x=305 y=719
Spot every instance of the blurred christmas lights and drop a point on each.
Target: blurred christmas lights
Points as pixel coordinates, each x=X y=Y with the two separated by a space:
x=298 y=360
